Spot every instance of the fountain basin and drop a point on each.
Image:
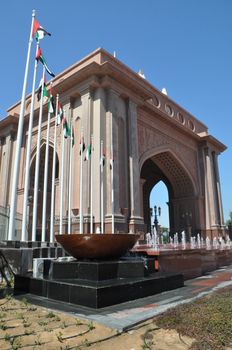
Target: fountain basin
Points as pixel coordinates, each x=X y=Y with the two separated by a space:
x=97 y=246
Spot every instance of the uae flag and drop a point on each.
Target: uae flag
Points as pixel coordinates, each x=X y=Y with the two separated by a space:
x=38 y=31
x=103 y=157
x=39 y=57
x=66 y=128
x=60 y=114
x=43 y=94
x=51 y=107
x=88 y=152
x=82 y=145
x=72 y=136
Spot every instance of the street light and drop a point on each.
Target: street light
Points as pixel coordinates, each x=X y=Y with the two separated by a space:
x=156 y=217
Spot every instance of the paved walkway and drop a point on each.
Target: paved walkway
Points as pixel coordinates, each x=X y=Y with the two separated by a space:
x=126 y=315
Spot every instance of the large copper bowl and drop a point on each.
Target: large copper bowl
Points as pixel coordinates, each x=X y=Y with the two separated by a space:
x=97 y=246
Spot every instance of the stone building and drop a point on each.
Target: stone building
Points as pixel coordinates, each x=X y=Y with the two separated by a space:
x=153 y=139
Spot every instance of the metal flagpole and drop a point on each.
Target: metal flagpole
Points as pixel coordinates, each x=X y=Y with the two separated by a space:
x=70 y=178
x=53 y=176
x=81 y=186
x=45 y=186
x=91 y=186
x=28 y=155
x=62 y=181
x=102 y=192
x=112 y=175
x=37 y=163
x=13 y=201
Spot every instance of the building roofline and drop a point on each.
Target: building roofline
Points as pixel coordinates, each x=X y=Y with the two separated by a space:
x=104 y=58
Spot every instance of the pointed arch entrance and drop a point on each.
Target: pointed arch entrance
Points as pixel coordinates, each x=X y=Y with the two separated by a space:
x=40 y=189
x=166 y=167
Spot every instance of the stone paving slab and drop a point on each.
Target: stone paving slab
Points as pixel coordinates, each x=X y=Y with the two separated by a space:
x=126 y=315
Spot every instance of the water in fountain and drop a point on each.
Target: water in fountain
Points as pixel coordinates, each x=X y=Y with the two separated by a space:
x=198 y=241
x=183 y=239
x=148 y=238
x=215 y=243
x=176 y=241
x=228 y=241
x=202 y=242
x=221 y=243
x=193 y=242
x=162 y=239
x=208 y=243
x=155 y=239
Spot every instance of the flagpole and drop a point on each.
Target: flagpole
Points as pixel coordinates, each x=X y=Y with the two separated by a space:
x=91 y=187
x=62 y=182
x=112 y=176
x=53 y=176
x=28 y=155
x=37 y=163
x=81 y=186
x=45 y=186
x=13 y=201
x=70 y=179
x=102 y=192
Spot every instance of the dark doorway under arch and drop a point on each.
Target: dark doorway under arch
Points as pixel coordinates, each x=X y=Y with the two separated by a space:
x=165 y=167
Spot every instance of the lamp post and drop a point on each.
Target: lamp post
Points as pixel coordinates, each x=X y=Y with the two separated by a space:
x=157 y=212
x=151 y=215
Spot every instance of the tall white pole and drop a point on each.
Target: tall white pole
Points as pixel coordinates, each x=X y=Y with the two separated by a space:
x=45 y=186
x=91 y=186
x=28 y=155
x=13 y=201
x=81 y=186
x=70 y=178
x=102 y=190
x=53 y=176
x=112 y=176
x=62 y=181
x=37 y=163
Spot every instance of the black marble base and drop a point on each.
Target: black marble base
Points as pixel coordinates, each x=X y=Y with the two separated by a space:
x=99 y=270
x=98 y=294
x=98 y=284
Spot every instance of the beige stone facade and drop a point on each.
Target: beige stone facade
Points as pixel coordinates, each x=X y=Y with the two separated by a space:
x=153 y=139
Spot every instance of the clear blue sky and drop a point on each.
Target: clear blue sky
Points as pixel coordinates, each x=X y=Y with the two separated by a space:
x=185 y=46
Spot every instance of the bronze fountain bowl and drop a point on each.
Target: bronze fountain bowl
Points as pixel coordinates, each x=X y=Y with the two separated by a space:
x=97 y=246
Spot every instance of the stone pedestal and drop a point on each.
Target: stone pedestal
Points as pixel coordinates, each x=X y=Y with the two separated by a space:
x=98 y=284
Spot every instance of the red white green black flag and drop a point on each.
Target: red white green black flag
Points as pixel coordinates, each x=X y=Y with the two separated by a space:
x=39 y=57
x=38 y=31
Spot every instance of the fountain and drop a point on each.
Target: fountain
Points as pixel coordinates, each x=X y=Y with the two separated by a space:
x=193 y=242
x=97 y=246
x=208 y=243
x=175 y=240
x=183 y=240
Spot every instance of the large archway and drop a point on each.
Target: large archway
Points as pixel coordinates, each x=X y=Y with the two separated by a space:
x=166 y=167
x=40 y=190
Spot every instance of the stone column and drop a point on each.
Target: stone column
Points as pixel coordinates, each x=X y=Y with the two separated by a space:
x=218 y=189
x=112 y=122
x=134 y=176
x=99 y=122
x=6 y=170
x=66 y=108
x=85 y=124
x=211 y=213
